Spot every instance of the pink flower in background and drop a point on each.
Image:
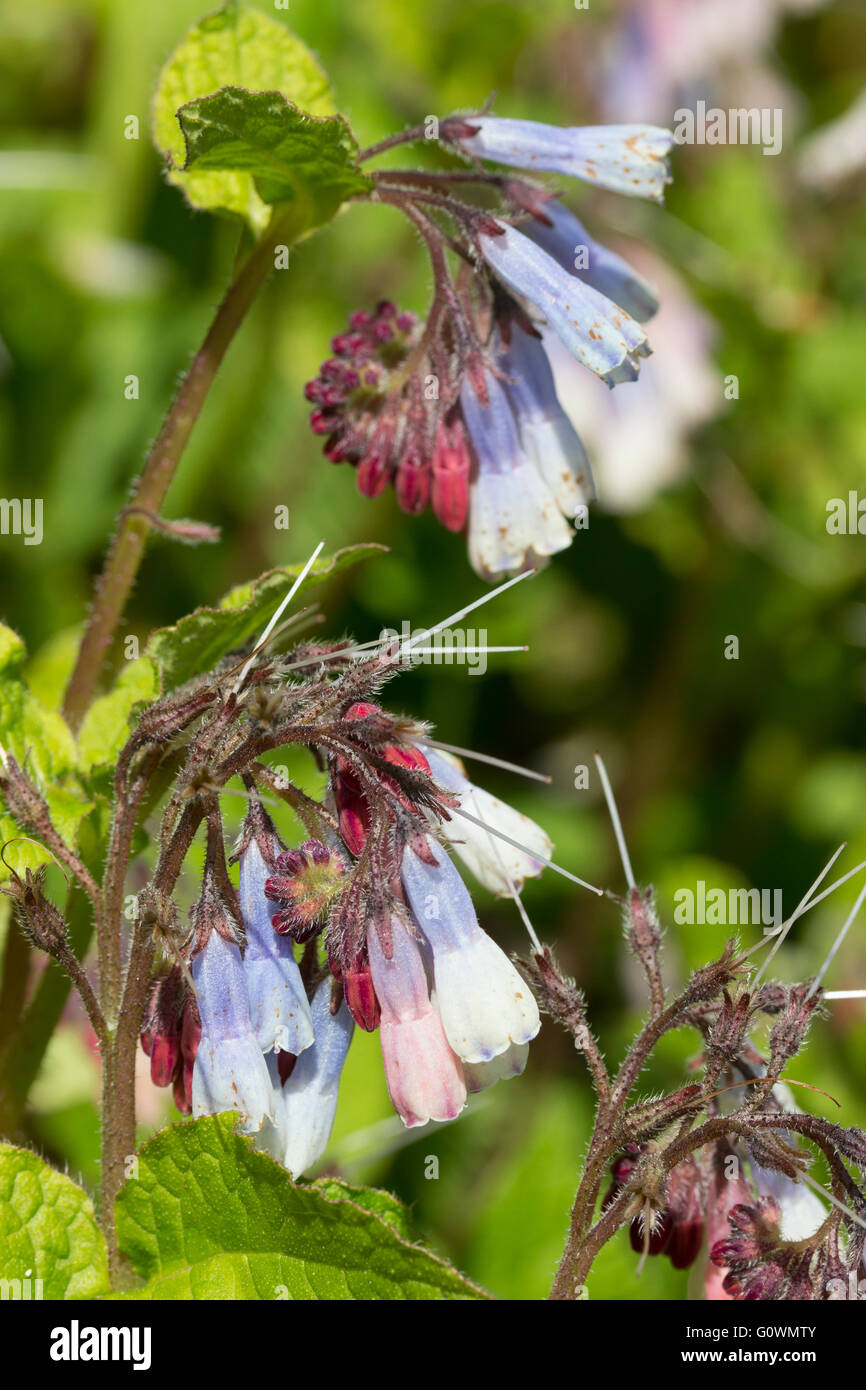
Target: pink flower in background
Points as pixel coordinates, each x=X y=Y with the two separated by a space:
x=667 y=53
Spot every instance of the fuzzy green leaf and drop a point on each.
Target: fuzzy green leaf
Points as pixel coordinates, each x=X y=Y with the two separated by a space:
x=203 y=638
x=39 y=739
x=47 y=1232
x=108 y=721
x=235 y=47
x=209 y=1218
x=292 y=157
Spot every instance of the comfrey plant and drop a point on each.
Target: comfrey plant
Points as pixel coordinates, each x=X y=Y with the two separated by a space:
x=461 y=412
x=247 y=1004
x=241 y=971
x=713 y=1172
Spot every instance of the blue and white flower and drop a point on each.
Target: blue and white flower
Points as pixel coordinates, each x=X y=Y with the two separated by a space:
x=629 y=159
x=278 y=1004
x=230 y=1071
x=547 y=435
x=304 y=1108
x=484 y=1004
x=514 y=518
x=568 y=242
x=596 y=331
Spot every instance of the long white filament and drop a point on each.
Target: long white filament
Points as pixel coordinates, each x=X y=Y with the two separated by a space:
x=539 y=859
x=798 y=912
x=615 y=821
x=279 y=613
x=816 y=983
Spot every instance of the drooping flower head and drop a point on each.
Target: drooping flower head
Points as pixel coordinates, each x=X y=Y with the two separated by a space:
x=462 y=412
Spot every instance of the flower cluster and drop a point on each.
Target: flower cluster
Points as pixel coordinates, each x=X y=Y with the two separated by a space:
x=462 y=413
x=255 y=1030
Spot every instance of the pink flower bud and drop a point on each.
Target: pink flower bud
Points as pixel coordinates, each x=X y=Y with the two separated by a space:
x=451 y=467
x=412 y=484
x=361 y=994
x=425 y=1078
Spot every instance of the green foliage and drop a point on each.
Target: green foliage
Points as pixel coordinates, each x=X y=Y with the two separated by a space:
x=235 y=47
x=107 y=723
x=730 y=771
x=291 y=156
x=48 y=1230
x=204 y=637
x=39 y=738
x=208 y=1218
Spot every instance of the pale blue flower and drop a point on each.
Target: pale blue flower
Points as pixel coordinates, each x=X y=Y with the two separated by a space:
x=596 y=331
x=278 y=1004
x=304 y=1108
x=629 y=159
x=567 y=238
x=230 y=1072
x=547 y=435
x=513 y=516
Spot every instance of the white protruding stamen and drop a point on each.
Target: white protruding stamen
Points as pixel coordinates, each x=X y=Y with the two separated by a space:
x=838 y=942
x=512 y=886
x=487 y=758
x=615 y=820
x=462 y=613
x=533 y=854
x=845 y=994
x=279 y=613
x=831 y=1197
x=801 y=907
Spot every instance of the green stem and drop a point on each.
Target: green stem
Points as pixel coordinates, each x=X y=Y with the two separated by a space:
x=127 y=549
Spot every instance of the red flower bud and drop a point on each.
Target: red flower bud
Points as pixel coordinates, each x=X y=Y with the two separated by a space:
x=360 y=994
x=451 y=467
x=412 y=485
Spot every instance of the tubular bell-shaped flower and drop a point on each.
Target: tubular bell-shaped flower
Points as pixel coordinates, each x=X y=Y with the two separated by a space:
x=514 y=518
x=629 y=159
x=546 y=433
x=279 y=1011
x=563 y=236
x=495 y=863
x=596 y=331
x=425 y=1078
x=304 y=1107
x=230 y=1072
x=483 y=1002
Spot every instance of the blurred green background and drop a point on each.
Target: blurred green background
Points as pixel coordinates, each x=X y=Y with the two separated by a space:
x=738 y=772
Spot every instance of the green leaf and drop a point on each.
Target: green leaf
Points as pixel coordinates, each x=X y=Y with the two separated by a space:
x=202 y=638
x=209 y=1218
x=39 y=739
x=373 y=1199
x=108 y=721
x=48 y=1230
x=292 y=157
x=235 y=47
